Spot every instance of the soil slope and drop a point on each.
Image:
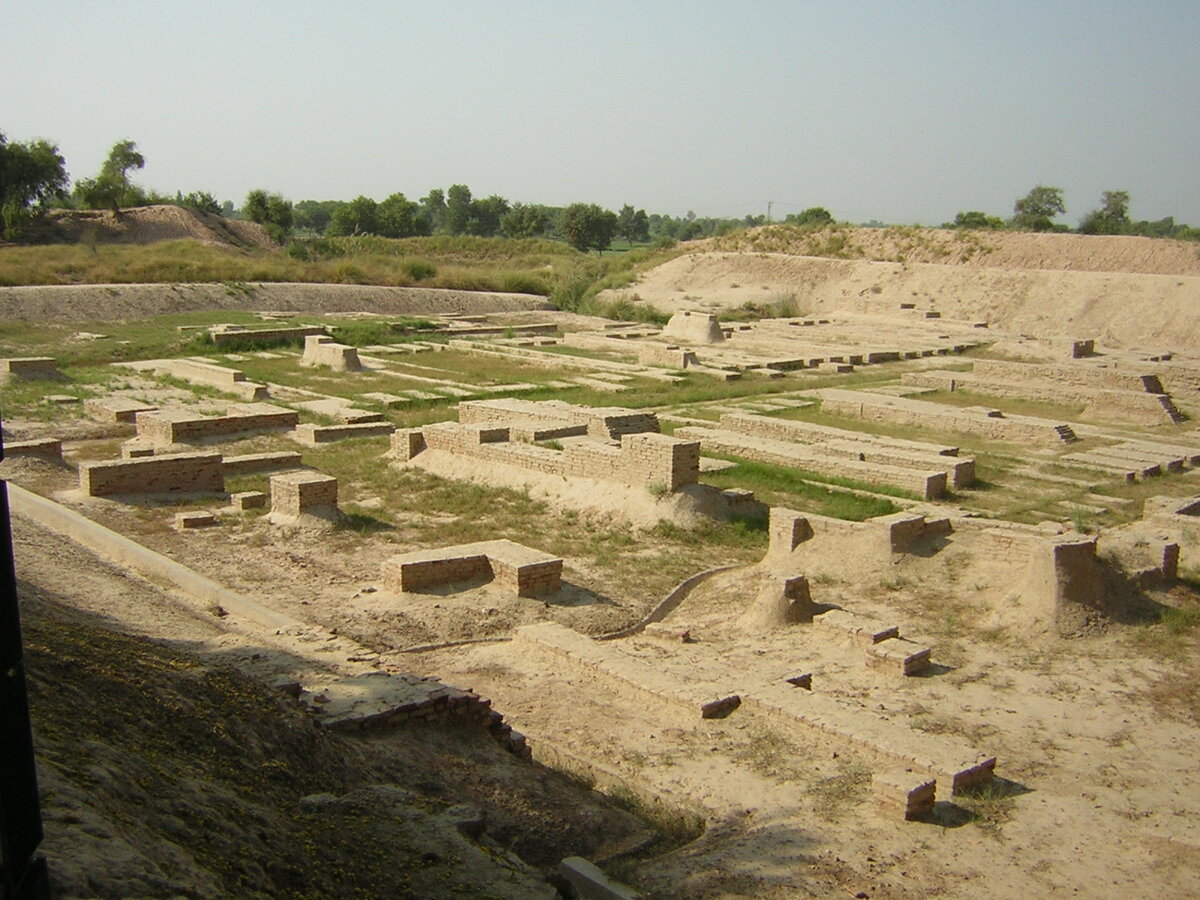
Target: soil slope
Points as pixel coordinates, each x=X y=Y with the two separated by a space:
x=1122 y=291
x=148 y=224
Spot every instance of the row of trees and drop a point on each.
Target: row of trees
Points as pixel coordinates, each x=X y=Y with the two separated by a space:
x=33 y=177
x=1037 y=210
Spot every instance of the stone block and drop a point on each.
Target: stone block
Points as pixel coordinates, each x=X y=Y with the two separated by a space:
x=29 y=368
x=322 y=350
x=406 y=443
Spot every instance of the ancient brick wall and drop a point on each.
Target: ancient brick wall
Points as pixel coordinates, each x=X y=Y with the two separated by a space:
x=165 y=427
x=168 y=474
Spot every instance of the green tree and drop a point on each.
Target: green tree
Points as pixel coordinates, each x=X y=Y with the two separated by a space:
x=814 y=216
x=399 y=217
x=486 y=215
x=269 y=210
x=1111 y=218
x=359 y=216
x=458 y=209
x=112 y=188
x=633 y=225
x=433 y=207
x=199 y=200
x=976 y=220
x=1035 y=210
x=31 y=175
x=588 y=227
x=524 y=221
x=314 y=215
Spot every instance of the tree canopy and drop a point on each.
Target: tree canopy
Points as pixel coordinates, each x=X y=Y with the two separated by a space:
x=1035 y=211
x=112 y=188
x=31 y=175
x=1111 y=218
x=588 y=227
x=269 y=210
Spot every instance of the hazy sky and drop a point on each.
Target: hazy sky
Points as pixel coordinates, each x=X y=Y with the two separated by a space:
x=903 y=111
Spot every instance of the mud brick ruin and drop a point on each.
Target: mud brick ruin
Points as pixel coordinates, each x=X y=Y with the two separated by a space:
x=239 y=335
x=168 y=427
x=518 y=571
x=304 y=497
x=978 y=420
x=175 y=473
x=29 y=368
x=1134 y=398
x=641 y=458
x=201 y=371
x=116 y=409
x=322 y=350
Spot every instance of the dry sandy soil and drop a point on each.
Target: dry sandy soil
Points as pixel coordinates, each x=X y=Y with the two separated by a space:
x=1097 y=735
x=149 y=224
x=1122 y=291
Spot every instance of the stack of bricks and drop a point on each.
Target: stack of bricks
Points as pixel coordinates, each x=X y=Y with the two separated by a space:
x=295 y=494
x=182 y=473
x=321 y=350
x=517 y=570
x=28 y=368
x=167 y=427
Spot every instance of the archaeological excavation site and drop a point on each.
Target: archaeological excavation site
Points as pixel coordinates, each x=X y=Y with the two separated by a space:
x=870 y=577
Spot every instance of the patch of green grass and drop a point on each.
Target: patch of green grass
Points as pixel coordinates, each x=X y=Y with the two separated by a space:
x=778 y=484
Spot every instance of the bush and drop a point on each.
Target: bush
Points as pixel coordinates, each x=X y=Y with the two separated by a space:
x=419 y=269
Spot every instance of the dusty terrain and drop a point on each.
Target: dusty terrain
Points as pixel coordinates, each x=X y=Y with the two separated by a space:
x=1095 y=729
x=1124 y=291
x=148 y=224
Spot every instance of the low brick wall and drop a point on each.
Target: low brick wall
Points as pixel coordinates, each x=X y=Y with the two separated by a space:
x=605 y=423
x=844 y=444
x=928 y=485
x=225 y=335
x=1130 y=407
x=29 y=368
x=324 y=434
x=45 y=449
x=642 y=460
x=1082 y=375
x=166 y=427
x=964 y=420
x=175 y=473
x=226 y=379
x=249 y=463
x=518 y=570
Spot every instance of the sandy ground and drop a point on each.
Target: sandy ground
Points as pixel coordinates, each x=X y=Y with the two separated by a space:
x=1117 y=309
x=1091 y=768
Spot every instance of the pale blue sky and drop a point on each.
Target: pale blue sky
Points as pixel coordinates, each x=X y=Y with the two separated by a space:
x=898 y=111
